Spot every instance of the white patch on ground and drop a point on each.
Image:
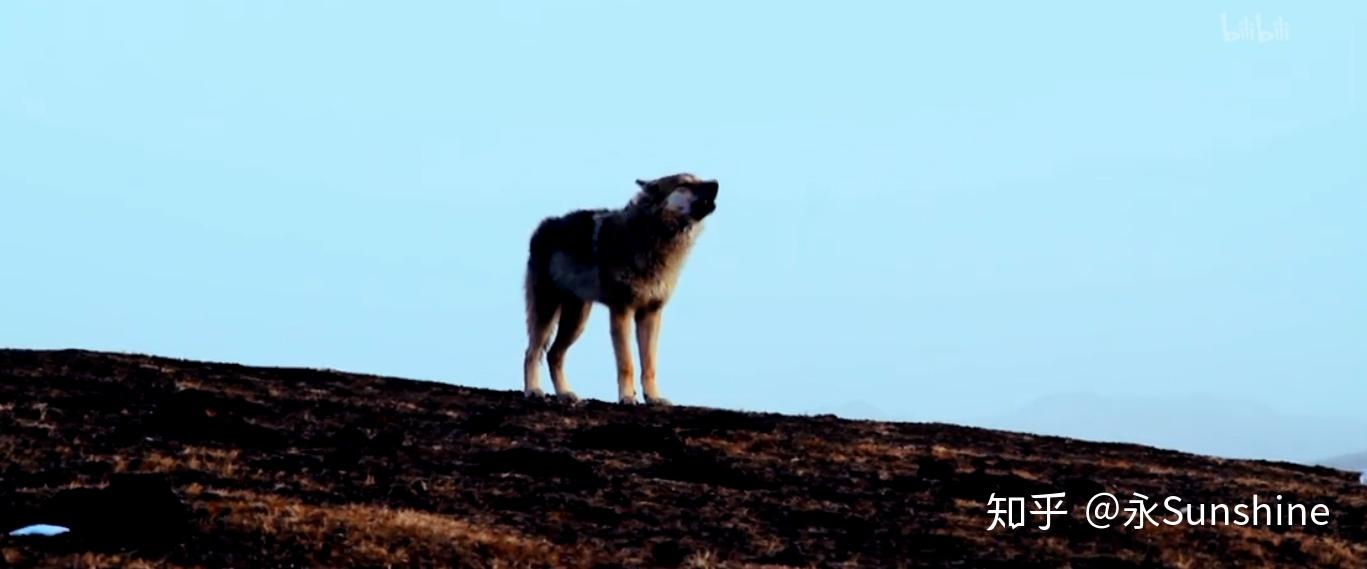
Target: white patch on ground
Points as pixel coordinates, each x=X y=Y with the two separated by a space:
x=44 y=530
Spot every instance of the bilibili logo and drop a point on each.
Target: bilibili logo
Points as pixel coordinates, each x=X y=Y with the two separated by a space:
x=1254 y=29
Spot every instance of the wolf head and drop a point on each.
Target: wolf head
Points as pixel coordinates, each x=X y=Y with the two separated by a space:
x=681 y=195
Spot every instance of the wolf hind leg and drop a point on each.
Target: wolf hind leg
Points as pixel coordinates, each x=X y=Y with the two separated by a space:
x=542 y=307
x=574 y=315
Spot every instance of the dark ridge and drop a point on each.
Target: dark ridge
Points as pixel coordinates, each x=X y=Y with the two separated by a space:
x=170 y=462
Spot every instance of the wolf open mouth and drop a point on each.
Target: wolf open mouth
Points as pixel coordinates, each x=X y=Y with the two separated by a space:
x=702 y=208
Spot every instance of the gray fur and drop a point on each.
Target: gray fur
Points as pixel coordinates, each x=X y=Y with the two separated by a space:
x=628 y=259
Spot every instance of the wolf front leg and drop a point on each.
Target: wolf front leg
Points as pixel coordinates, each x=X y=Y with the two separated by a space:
x=620 y=321
x=647 y=338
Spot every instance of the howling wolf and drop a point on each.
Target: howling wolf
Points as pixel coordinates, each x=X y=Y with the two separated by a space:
x=627 y=259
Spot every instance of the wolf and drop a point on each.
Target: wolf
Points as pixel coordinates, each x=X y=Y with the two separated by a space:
x=628 y=259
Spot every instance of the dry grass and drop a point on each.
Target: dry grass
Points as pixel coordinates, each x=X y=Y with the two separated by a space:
x=381 y=536
x=320 y=469
x=218 y=462
x=90 y=561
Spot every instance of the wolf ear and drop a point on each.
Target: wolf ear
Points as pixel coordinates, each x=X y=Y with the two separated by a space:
x=637 y=199
x=642 y=183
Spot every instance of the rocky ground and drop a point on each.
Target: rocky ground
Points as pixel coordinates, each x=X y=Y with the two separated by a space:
x=161 y=462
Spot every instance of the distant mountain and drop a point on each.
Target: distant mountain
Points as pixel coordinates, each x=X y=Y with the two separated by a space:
x=1355 y=462
x=856 y=409
x=1217 y=426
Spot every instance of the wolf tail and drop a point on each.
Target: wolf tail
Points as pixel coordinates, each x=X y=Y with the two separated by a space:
x=541 y=309
x=538 y=288
x=537 y=319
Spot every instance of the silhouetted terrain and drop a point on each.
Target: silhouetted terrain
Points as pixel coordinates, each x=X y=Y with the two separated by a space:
x=167 y=462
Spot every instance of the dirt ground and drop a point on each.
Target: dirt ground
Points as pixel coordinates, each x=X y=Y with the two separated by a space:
x=161 y=462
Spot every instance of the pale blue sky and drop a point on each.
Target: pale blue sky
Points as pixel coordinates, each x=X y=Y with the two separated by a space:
x=927 y=212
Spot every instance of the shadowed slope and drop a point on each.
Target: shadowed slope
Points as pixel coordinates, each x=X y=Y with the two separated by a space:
x=320 y=468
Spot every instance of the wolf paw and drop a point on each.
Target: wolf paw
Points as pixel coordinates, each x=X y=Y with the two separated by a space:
x=533 y=393
x=567 y=397
x=657 y=402
x=627 y=400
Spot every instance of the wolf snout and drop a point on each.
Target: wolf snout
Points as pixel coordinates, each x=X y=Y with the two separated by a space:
x=707 y=190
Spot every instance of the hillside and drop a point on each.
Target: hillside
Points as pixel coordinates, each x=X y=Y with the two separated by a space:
x=166 y=462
